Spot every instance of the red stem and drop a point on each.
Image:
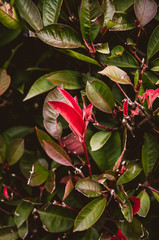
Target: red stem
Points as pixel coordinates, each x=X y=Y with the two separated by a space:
x=87 y=158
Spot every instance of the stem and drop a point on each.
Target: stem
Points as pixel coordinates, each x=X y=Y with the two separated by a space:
x=107 y=128
x=87 y=158
x=1 y=209
x=123 y=91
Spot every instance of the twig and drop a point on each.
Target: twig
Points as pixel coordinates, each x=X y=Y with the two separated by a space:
x=87 y=158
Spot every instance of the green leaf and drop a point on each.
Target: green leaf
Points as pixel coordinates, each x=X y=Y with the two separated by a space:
x=2 y=149
x=145 y=203
x=89 y=187
x=8 y=16
x=149 y=80
x=131 y=172
x=123 y=22
x=91 y=234
x=8 y=35
x=108 y=11
x=4 y=81
x=125 y=60
x=50 y=182
x=22 y=212
x=125 y=206
x=156 y=195
x=30 y=13
x=16 y=132
x=150 y=153
x=145 y=11
x=38 y=175
x=57 y=219
x=153 y=44
x=89 y=11
x=51 y=11
x=103 y=48
x=26 y=162
x=8 y=233
x=99 y=139
x=100 y=95
x=107 y=156
x=69 y=79
x=60 y=36
x=116 y=75
x=155 y=65
x=40 y=86
x=23 y=230
x=123 y=5
x=15 y=150
x=90 y=214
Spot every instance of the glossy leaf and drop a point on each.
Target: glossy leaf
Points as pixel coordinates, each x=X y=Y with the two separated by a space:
x=125 y=205
x=125 y=60
x=50 y=115
x=108 y=11
x=153 y=44
x=89 y=187
x=15 y=150
x=131 y=172
x=22 y=212
x=145 y=10
x=30 y=13
x=8 y=233
x=100 y=95
x=8 y=16
x=99 y=139
x=57 y=153
x=69 y=79
x=89 y=11
x=38 y=175
x=90 y=214
x=60 y=36
x=4 y=81
x=116 y=75
x=145 y=203
x=56 y=219
x=150 y=153
x=123 y=5
x=40 y=86
x=51 y=11
x=50 y=182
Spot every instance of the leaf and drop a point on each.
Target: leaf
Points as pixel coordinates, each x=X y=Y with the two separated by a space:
x=57 y=219
x=22 y=212
x=153 y=43
x=38 y=175
x=26 y=162
x=125 y=60
x=57 y=153
x=23 y=230
x=145 y=203
x=68 y=188
x=156 y=195
x=100 y=95
x=51 y=11
x=40 y=86
x=155 y=65
x=8 y=233
x=145 y=11
x=103 y=48
x=123 y=22
x=89 y=12
x=30 y=13
x=4 y=81
x=91 y=234
x=108 y=11
x=50 y=182
x=89 y=214
x=123 y=5
x=8 y=16
x=116 y=75
x=16 y=132
x=99 y=139
x=131 y=172
x=125 y=206
x=50 y=115
x=8 y=35
x=15 y=150
x=60 y=36
x=150 y=153
x=69 y=79
x=89 y=187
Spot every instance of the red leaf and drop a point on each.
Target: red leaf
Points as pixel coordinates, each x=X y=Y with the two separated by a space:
x=136 y=203
x=73 y=117
x=5 y=192
x=72 y=143
x=119 y=236
x=125 y=108
x=150 y=96
x=68 y=188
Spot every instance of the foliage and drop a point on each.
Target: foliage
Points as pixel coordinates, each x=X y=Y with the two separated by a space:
x=79 y=156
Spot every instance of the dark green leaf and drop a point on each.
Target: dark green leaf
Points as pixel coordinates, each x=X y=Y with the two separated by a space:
x=99 y=139
x=149 y=80
x=155 y=65
x=89 y=11
x=100 y=95
x=125 y=60
x=125 y=206
x=23 y=230
x=38 y=175
x=150 y=153
x=22 y=212
x=50 y=182
x=131 y=172
x=8 y=233
x=116 y=75
x=26 y=162
x=16 y=132
x=91 y=234
x=8 y=35
x=123 y=5
x=30 y=13
x=4 y=81
x=56 y=219
x=51 y=11
x=145 y=203
x=90 y=214
x=60 y=36
x=15 y=150
x=153 y=44
x=124 y=22
x=89 y=187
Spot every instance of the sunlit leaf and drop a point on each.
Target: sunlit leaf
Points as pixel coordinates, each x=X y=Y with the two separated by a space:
x=4 y=81
x=99 y=139
x=15 y=150
x=60 y=36
x=145 y=203
x=51 y=11
x=153 y=44
x=90 y=214
x=145 y=10
x=89 y=187
x=22 y=212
